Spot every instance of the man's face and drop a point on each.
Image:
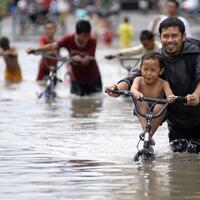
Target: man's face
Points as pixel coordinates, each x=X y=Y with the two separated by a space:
x=148 y=44
x=172 y=40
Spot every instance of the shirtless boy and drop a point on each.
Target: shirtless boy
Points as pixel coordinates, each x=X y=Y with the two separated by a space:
x=13 y=72
x=149 y=84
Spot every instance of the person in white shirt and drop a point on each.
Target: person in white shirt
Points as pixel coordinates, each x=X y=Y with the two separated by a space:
x=148 y=44
x=172 y=11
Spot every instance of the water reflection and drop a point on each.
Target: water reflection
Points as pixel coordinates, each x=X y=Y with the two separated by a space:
x=184 y=176
x=170 y=178
x=84 y=107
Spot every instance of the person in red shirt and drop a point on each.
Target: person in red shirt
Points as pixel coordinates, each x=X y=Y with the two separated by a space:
x=47 y=38
x=83 y=69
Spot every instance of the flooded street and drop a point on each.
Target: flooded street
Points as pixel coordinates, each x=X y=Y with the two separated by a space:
x=82 y=147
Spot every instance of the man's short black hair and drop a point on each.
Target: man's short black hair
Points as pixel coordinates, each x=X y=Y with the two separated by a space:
x=4 y=43
x=154 y=56
x=146 y=35
x=172 y=22
x=83 y=26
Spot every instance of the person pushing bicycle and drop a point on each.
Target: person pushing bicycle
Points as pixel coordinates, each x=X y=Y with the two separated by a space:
x=83 y=70
x=47 y=38
x=181 y=57
x=148 y=44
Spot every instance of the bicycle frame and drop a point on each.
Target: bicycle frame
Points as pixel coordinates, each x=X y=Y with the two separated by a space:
x=50 y=89
x=50 y=92
x=146 y=154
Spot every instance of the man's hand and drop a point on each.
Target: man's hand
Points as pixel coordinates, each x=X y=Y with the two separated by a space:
x=109 y=90
x=192 y=99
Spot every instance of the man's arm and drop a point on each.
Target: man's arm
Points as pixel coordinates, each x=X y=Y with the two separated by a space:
x=124 y=84
x=120 y=85
x=194 y=98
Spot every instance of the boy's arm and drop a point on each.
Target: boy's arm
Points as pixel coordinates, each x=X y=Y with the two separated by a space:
x=10 y=52
x=135 y=87
x=137 y=50
x=46 y=47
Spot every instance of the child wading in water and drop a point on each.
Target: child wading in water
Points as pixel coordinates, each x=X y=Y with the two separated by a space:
x=12 y=71
x=47 y=38
x=149 y=84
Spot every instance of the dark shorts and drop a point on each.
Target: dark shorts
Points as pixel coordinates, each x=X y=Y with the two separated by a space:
x=86 y=89
x=183 y=140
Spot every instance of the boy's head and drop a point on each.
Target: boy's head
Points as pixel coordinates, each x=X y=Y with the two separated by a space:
x=83 y=26
x=4 y=43
x=83 y=31
x=147 y=40
x=50 y=28
x=151 y=67
x=153 y=56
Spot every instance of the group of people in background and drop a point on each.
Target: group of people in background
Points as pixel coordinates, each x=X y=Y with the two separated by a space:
x=83 y=69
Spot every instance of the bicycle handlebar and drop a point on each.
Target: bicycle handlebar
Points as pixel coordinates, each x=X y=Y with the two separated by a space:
x=52 y=57
x=178 y=99
x=49 y=56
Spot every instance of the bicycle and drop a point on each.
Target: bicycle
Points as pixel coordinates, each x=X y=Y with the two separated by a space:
x=49 y=93
x=146 y=154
